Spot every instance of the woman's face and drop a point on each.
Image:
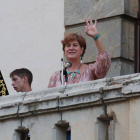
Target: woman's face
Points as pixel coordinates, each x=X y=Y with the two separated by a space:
x=73 y=50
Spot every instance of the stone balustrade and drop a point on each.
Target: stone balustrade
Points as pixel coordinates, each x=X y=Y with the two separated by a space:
x=93 y=110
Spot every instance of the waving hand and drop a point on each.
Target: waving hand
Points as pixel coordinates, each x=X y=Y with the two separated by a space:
x=91 y=29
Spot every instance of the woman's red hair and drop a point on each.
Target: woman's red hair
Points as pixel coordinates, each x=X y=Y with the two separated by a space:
x=74 y=37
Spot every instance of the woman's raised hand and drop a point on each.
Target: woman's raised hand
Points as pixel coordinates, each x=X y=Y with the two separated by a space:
x=91 y=29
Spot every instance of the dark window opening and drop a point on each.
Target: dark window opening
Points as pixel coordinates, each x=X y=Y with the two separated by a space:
x=63 y=130
x=23 y=133
x=68 y=134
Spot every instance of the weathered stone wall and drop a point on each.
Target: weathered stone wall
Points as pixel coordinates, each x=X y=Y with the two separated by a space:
x=116 y=20
x=88 y=108
x=28 y=39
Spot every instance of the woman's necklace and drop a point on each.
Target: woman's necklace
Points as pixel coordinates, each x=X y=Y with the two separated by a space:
x=73 y=73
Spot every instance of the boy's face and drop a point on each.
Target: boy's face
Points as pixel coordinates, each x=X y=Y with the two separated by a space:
x=18 y=83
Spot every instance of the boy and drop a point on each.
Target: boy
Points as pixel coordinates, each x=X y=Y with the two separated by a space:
x=21 y=80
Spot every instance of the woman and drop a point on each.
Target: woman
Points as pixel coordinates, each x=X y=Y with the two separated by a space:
x=74 y=46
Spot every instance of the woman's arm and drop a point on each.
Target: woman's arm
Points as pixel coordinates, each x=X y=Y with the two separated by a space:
x=101 y=66
x=103 y=62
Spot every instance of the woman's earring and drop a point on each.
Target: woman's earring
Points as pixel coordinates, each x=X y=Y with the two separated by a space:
x=81 y=59
x=65 y=59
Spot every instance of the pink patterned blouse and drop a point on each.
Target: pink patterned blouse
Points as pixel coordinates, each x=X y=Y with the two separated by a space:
x=94 y=71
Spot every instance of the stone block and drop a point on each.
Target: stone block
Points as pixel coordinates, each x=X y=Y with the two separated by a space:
x=131 y=86
x=122 y=89
x=127 y=39
x=77 y=10
x=120 y=67
x=131 y=7
x=121 y=79
x=113 y=93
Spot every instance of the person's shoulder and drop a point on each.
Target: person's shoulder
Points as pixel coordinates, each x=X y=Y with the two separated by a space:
x=56 y=73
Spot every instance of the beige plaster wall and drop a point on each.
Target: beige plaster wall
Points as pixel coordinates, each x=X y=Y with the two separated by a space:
x=122 y=119
x=134 y=118
x=83 y=121
x=30 y=37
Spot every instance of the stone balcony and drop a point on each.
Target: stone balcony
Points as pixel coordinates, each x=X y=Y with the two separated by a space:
x=105 y=109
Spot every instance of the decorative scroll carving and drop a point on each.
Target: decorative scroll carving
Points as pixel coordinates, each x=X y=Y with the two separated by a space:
x=3 y=88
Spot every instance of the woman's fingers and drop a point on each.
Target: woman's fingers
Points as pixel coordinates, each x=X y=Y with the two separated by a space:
x=95 y=23
x=86 y=22
x=90 y=21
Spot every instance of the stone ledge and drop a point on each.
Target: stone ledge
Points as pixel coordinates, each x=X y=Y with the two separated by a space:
x=131 y=86
x=86 y=97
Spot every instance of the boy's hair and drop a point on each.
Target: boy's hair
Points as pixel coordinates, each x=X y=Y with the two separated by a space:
x=21 y=73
